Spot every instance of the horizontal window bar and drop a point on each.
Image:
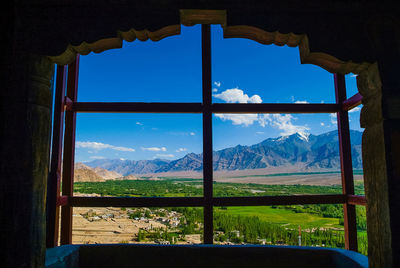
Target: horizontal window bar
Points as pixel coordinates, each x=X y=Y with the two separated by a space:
x=357 y=200
x=352 y=102
x=200 y=201
x=136 y=201
x=279 y=200
x=237 y=108
x=274 y=108
x=136 y=107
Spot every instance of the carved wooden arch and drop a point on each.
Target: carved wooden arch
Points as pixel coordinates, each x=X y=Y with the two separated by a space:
x=190 y=17
x=323 y=60
x=69 y=55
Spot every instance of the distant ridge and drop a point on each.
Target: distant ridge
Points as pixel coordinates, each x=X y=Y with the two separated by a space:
x=84 y=173
x=306 y=150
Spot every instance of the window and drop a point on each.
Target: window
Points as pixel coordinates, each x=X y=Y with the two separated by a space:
x=68 y=107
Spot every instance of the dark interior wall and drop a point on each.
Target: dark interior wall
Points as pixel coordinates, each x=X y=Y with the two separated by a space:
x=385 y=39
x=349 y=30
x=25 y=119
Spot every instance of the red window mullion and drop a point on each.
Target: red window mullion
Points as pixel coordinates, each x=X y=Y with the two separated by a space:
x=53 y=184
x=69 y=153
x=350 y=224
x=207 y=134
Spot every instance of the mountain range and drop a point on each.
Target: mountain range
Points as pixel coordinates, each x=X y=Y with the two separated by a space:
x=308 y=151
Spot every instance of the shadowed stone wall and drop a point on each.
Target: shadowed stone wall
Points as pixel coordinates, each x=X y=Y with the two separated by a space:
x=25 y=120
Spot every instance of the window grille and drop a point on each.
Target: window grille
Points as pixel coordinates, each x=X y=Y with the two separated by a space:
x=65 y=110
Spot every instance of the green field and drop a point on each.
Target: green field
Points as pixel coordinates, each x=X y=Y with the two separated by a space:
x=284 y=217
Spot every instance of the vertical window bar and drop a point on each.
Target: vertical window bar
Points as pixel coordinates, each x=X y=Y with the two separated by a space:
x=207 y=134
x=53 y=184
x=69 y=153
x=350 y=224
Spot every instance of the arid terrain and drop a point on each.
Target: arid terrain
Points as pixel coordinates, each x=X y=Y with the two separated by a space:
x=319 y=180
x=113 y=225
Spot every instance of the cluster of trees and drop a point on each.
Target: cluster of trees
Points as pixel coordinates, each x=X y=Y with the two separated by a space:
x=159 y=234
x=193 y=187
x=253 y=230
x=190 y=223
x=138 y=188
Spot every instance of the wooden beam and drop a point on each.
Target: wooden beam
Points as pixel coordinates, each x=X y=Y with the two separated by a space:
x=350 y=224
x=62 y=200
x=68 y=104
x=80 y=201
x=53 y=183
x=69 y=153
x=162 y=107
x=273 y=108
x=357 y=200
x=136 y=107
x=352 y=102
x=207 y=134
x=279 y=200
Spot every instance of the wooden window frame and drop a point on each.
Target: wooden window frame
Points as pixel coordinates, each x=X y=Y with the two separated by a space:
x=66 y=107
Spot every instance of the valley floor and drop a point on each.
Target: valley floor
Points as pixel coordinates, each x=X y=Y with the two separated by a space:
x=322 y=225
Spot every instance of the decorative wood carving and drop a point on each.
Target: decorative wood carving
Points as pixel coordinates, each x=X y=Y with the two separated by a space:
x=190 y=17
x=116 y=42
x=326 y=61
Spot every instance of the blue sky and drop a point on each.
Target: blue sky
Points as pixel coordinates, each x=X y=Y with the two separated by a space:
x=170 y=71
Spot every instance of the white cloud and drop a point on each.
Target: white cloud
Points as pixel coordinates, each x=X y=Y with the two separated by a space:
x=138 y=123
x=165 y=155
x=154 y=149
x=236 y=95
x=217 y=83
x=181 y=133
x=322 y=124
x=100 y=146
x=284 y=123
x=239 y=119
x=215 y=90
x=122 y=159
x=280 y=121
x=301 y=101
x=260 y=132
x=97 y=157
x=355 y=109
x=333 y=118
x=181 y=150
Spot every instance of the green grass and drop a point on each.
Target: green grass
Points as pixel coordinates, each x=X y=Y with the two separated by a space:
x=283 y=217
